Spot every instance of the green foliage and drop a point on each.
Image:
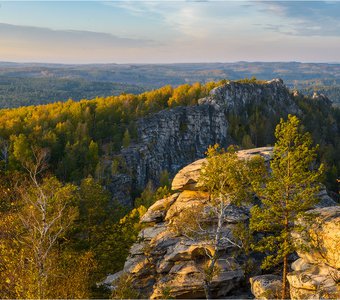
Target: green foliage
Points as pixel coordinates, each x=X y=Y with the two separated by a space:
x=225 y=176
x=126 y=139
x=285 y=193
x=149 y=195
x=118 y=239
x=322 y=121
x=76 y=133
x=25 y=90
x=124 y=289
x=164 y=179
x=35 y=259
x=189 y=94
x=252 y=80
x=226 y=179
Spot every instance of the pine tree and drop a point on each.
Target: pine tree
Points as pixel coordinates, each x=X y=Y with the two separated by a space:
x=287 y=192
x=126 y=139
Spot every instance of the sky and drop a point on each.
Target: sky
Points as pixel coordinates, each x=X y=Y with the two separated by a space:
x=169 y=31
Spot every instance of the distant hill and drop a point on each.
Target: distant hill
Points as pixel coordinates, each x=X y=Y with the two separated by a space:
x=23 y=91
x=33 y=83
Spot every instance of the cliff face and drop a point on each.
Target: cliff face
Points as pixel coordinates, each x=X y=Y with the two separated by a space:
x=172 y=138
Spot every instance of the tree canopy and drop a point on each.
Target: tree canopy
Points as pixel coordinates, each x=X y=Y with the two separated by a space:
x=286 y=193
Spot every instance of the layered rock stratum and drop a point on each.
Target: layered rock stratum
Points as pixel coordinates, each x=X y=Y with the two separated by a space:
x=165 y=262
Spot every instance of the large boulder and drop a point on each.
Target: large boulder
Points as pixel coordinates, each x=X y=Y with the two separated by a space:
x=187 y=178
x=156 y=213
x=265 y=287
x=187 y=199
x=316 y=274
x=311 y=281
x=323 y=237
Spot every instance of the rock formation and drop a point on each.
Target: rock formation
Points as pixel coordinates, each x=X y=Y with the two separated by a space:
x=173 y=138
x=167 y=262
x=316 y=274
x=164 y=261
x=267 y=286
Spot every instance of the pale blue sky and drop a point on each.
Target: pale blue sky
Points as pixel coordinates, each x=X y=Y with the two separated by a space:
x=169 y=31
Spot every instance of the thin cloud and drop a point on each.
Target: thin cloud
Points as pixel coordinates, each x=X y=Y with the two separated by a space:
x=38 y=35
x=24 y=43
x=303 y=18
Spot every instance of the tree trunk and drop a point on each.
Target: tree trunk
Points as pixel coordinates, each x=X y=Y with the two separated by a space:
x=210 y=271
x=284 y=278
x=207 y=290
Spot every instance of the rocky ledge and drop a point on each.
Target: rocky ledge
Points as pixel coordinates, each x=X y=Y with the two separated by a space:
x=167 y=263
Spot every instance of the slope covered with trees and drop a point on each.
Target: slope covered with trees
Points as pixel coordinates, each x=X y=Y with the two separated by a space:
x=54 y=158
x=33 y=84
x=21 y=91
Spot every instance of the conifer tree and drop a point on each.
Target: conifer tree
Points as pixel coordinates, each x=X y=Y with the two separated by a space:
x=287 y=192
x=126 y=139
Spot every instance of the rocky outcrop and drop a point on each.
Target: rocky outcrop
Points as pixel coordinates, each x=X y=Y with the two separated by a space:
x=167 y=261
x=233 y=96
x=313 y=281
x=187 y=178
x=265 y=287
x=172 y=138
x=323 y=237
x=316 y=274
x=321 y=98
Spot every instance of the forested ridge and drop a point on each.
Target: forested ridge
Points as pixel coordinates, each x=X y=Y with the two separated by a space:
x=53 y=159
x=33 y=84
x=50 y=161
x=22 y=91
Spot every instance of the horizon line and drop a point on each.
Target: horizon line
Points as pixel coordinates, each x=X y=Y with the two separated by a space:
x=164 y=63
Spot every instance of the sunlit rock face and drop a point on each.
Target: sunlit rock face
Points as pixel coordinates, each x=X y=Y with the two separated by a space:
x=316 y=274
x=164 y=262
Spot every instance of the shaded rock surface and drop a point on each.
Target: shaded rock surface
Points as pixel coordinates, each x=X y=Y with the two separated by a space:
x=173 y=138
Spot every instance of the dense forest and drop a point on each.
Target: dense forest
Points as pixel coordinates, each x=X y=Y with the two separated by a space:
x=33 y=84
x=53 y=172
x=21 y=91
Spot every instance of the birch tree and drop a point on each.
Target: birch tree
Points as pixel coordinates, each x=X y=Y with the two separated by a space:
x=47 y=213
x=225 y=178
